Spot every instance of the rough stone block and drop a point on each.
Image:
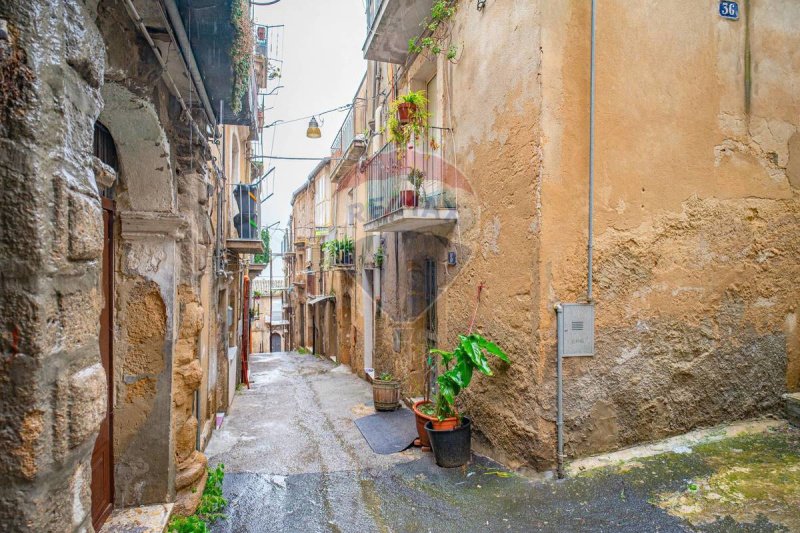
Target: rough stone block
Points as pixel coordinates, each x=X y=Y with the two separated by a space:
x=78 y=318
x=85 y=228
x=87 y=403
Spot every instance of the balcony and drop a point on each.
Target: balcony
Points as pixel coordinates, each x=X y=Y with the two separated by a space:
x=339 y=252
x=395 y=203
x=246 y=205
x=349 y=145
x=390 y=25
x=302 y=237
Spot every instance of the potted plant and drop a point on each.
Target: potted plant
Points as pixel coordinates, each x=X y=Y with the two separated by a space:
x=379 y=255
x=412 y=123
x=450 y=434
x=410 y=198
x=386 y=392
x=407 y=105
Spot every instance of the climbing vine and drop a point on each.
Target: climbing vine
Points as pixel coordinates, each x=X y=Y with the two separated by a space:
x=241 y=52
x=438 y=26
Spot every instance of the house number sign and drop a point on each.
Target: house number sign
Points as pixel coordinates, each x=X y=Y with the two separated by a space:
x=729 y=10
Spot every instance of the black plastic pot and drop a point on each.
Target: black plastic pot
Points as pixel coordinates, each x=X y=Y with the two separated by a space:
x=451 y=447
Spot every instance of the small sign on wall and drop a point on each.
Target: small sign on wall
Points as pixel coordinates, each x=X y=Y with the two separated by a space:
x=729 y=10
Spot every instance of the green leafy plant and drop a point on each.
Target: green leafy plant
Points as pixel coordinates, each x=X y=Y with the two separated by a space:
x=416 y=177
x=241 y=52
x=187 y=524
x=379 y=257
x=470 y=355
x=437 y=27
x=385 y=376
x=428 y=409
x=263 y=257
x=303 y=350
x=402 y=133
x=212 y=503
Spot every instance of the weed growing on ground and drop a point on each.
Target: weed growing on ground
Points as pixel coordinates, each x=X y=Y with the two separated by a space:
x=210 y=509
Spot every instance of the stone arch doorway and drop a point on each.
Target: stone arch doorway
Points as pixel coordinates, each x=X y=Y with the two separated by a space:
x=145 y=266
x=275 y=343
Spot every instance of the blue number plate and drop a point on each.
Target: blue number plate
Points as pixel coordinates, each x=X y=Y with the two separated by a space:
x=729 y=10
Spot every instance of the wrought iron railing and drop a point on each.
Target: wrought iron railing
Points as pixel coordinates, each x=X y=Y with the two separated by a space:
x=409 y=176
x=339 y=251
x=373 y=6
x=246 y=207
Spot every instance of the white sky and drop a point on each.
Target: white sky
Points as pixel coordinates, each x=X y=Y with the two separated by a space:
x=320 y=45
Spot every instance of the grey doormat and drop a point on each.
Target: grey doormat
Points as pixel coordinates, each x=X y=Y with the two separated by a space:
x=389 y=432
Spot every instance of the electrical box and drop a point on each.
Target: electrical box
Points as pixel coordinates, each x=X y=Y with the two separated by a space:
x=577 y=334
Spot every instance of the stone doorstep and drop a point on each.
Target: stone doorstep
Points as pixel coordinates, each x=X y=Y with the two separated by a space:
x=144 y=519
x=677 y=444
x=793 y=408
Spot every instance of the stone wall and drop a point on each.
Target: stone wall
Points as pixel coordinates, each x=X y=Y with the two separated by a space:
x=52 y=386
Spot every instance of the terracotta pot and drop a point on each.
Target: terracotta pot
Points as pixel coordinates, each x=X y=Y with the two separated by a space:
x=386 y=395
x=409 y=199
x=422 y=419
x=444 y=425
x=404 y=112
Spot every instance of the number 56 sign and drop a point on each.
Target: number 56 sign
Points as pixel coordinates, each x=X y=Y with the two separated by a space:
x=729 y=10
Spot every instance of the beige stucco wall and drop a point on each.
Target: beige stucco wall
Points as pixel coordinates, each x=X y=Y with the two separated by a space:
x=696 y=248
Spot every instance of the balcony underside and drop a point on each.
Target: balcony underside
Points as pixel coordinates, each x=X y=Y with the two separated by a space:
x=396 y=22
x=256 y=267
x=413 y=219
x=245 y=246
x=349 y=158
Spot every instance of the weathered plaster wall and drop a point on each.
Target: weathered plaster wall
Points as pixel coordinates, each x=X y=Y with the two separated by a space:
x=696 y=263
x=52 y=386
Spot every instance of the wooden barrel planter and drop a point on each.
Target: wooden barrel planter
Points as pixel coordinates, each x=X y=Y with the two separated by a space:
x=386 y=395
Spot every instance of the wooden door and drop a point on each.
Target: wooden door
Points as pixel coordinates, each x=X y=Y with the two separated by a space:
x=102 y=456
x=275 y=343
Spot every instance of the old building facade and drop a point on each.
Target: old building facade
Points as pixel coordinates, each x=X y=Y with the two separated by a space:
x=118 y=254
x=695 y=211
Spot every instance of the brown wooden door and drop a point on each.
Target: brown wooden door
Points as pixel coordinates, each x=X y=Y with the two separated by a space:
x=102 y=456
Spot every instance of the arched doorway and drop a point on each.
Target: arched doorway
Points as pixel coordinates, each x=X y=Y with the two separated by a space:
x=275 y=343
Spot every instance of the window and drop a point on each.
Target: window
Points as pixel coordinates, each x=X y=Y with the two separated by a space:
x=322 y=202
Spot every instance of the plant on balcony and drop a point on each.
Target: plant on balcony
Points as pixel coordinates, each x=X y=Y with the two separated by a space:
x=411 y=198
x=412 y=124
x=241 y=52
x=450 y=432
x=263 y=257
x=438 y=40
x=379 y=257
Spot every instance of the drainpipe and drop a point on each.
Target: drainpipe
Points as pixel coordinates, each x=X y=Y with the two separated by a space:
x=589 y=252
x=559 y=396
x=590 y=242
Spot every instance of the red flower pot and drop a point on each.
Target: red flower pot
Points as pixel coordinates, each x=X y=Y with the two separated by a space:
x=421 y=419
x=404 y=112
x=409 y=198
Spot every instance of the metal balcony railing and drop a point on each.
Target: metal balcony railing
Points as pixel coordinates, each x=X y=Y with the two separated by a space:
x=412 y=176
x=345 y=136
x=246 y=206
x=373 y=6
x=339 y=251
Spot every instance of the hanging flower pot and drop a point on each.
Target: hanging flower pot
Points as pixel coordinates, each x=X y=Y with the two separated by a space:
x=405 y=111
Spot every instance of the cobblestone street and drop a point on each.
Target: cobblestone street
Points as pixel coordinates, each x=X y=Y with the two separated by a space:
x=295 y=461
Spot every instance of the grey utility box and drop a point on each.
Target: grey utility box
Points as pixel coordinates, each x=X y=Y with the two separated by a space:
x=577 y=332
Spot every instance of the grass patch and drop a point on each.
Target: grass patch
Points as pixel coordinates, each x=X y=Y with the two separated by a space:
x=212 y=503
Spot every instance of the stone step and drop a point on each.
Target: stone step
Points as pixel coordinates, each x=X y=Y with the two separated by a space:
x=793 y=408
x=145 y=519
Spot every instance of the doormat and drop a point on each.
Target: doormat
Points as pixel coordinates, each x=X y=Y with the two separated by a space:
x=390 y=431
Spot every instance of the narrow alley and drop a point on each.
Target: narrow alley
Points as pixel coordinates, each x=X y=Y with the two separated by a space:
x=295 y=461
